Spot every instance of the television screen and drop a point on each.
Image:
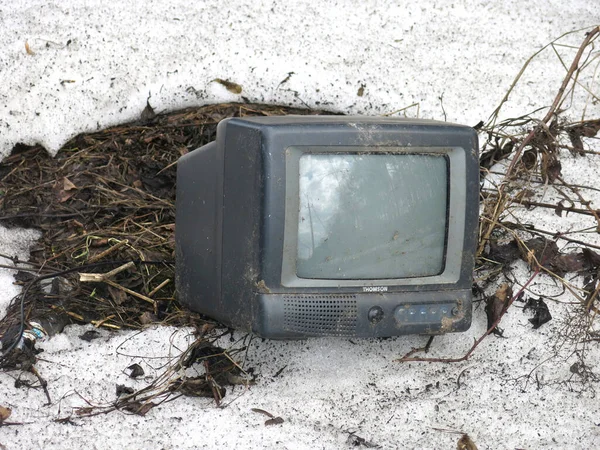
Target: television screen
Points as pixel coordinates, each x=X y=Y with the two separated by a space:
x=372 y=216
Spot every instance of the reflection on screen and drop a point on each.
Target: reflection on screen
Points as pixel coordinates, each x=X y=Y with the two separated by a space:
x=371 y=216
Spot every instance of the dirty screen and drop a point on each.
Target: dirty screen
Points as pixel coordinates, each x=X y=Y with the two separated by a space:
x=372 y=216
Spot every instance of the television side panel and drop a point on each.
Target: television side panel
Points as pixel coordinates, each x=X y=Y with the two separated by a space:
x=242 y=212
x=198 y=230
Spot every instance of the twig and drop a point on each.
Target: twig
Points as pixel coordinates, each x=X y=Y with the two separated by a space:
x=108 y=251
x=98 y=277
x=129 y=291
x=159 y=287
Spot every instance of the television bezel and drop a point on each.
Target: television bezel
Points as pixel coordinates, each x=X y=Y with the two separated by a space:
x=455 y=223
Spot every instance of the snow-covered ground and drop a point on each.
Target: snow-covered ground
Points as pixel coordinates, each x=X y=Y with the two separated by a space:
x=95 y=63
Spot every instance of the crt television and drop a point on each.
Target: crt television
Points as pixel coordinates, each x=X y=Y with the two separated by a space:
x=299 y=226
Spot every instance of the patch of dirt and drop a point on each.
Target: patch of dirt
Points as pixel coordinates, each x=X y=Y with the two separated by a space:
x=105 y=199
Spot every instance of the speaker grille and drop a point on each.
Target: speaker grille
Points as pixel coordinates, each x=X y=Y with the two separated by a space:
x=320 y=315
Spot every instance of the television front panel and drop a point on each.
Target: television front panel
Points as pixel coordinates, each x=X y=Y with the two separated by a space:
x=303 y=226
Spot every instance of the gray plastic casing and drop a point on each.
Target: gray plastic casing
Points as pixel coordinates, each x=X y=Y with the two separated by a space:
x=236 y=230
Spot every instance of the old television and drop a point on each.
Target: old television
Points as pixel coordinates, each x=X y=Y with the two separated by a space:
x=299 y=226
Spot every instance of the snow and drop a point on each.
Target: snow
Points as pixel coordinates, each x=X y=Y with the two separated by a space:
x=96 y=63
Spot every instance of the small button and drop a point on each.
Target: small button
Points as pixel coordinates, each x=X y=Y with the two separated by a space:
x=375 y=314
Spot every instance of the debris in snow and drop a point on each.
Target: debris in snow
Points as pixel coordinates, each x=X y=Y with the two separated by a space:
x=541 y=313
x=232 y=87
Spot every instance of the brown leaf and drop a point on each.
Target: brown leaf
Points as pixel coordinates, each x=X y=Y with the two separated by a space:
x=90 y=335
x=84 y=410
x=541 y=313
x=229 y=85
x=68 y=185
x=524 y=194
x=575 y=137
x=547 y=254
x=65 y=190
x=529 y=159
x=569 y=263
x=148 y=318
x=561 y=206
x=4 y=413
x=274 y=421
x=136 y=371
x=589 y=128
x=139 y=408
x=496 y=305
x=544 y=251
x=591 y=258
x=504 y=254
x=117 y=295
x=465 y=443
x=28 y=49
x=196 y=387
x=148 y=112
x=262 y=411
x=124 y=390
x=551 y=167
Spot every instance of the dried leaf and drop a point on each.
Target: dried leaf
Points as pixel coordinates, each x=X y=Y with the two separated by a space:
x=542 y=249
x=356 y=441
x=361 y=90
x=504 y=254
x=124 y=390
x=148 y=318
x=562 y=205
x=262 y=411
x=136 y=371
x=64 y=190
x=496 y=305
x=4 y=413
x=591 y=258
x=274 y=421
x=148 y=112
x=139 y=408
x=540 y=310
x=68 y=185
x=196 y=387
x=229 y=85
x=117 y=295
x=28 y=49
x=89 y=335
x=587 y=128
x=465 y=443
x=84 y=410
x=529 y=158
x=524 y=194
x=568 y=263
x=575 y=137
x=551 y=167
